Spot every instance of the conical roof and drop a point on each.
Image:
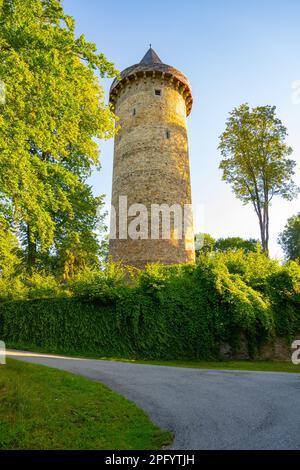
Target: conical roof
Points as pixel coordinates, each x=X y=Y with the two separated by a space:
x=151 y=65
x=151 y=58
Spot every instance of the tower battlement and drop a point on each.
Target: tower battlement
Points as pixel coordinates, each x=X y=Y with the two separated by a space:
x=152 y=67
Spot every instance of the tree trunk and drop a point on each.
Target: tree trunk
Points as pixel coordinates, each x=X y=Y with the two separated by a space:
x=264 y=230
x=267 y=231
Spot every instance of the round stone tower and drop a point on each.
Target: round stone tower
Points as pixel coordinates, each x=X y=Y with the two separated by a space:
x=151 y=166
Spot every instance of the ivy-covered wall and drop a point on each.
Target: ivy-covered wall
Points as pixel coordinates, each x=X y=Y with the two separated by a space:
x=176 y=312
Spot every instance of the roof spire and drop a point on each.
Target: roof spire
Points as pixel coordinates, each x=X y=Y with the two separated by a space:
x=151 y=57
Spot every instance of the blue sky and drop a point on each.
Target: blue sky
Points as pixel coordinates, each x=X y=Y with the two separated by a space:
x=232 y=52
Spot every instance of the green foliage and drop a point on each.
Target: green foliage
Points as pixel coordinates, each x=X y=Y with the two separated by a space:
x=205 y=243
x=9 y=251
x=253 y=267
x=37 y=285
x=163 y=312
x=43 y=408
x=237 y=243
x=284 y=290
x=101 y=285
x=289 y=239
x=54 y=111
x=255 y=160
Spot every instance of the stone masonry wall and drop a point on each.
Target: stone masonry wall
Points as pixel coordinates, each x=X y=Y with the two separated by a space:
x=151 y=165
x=276 y=349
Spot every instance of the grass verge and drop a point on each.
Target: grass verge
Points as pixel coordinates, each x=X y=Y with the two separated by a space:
x=250 y=365
x=44 y=408
x=263 y=366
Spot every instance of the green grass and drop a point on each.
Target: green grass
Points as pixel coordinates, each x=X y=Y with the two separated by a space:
x=251 y=365
x=265 y=366
x=44 y=408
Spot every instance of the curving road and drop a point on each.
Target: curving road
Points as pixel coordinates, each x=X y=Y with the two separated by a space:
x=205 y=409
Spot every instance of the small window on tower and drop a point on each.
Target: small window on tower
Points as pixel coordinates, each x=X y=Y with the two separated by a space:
x=134 y=112
x=168 y=134
x=158 y=92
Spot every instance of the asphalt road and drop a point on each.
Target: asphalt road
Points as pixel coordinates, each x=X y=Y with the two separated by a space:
x=205 y=409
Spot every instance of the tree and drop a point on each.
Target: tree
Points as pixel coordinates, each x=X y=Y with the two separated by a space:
x=289 y=238
x=53 y=112
x=255 y=161
x=204 y=243
x=9 y=250
x=76 y=245
x=237 y=243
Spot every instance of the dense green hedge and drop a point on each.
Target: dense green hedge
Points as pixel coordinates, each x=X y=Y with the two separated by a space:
x=182 y=311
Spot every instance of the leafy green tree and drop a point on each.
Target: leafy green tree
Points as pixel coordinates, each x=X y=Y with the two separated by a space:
x=237 y=243
x=76 y=239
x=54 y=110
x=104 y=249
x=9 y=250
x=204 y=243
x=76 y=245
x=289 y=238
x=255 y=161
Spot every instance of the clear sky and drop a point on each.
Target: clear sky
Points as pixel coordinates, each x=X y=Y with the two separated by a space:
x=232 y=51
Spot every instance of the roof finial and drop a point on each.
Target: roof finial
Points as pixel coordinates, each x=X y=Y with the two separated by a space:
x=150 y=45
